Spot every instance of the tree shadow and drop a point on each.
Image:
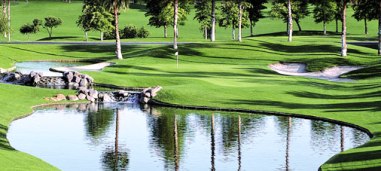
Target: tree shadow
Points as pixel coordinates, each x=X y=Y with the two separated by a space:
x=4 y=144
x=312 y=95
x=59 y=38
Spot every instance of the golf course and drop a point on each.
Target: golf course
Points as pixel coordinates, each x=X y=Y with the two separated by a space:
x=225 y=74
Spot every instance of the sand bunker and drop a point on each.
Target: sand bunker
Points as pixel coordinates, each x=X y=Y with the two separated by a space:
x=299 y=69
x=92 y=67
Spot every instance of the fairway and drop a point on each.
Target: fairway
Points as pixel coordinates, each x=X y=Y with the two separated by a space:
x=222 y=74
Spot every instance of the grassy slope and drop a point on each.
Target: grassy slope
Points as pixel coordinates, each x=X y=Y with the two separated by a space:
x=224 y=74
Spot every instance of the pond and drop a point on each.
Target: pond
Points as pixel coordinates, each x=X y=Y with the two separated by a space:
x=130 y=137
x=43 y=67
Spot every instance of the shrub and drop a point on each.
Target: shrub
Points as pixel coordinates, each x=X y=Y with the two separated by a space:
x=129 y=32
x=109 y=35
x=143 y=33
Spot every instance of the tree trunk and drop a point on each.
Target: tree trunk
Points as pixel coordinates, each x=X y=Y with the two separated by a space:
x=251 y=28
x=176 y=9
x=240 y=22
x=206 y=33
x=239 y=142
x=289 y=22
x=118 y=51
x=233 y=32
x=366 y=26
x=298 y=24
x=379 y=30
x=5 y=14
x=86 y=36
x=213 y=31
x=175 y=134
x=50 y=31
x=101 y=35
x=325 y=28
x=344 y=30
x=165 y=31
x=9 y=20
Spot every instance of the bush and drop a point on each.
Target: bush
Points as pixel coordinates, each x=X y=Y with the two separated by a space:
x=109 y=35
x=143 y=33
x=129 y=32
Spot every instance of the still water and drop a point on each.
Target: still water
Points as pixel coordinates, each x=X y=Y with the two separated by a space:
x=43 y=67
x=127 y=137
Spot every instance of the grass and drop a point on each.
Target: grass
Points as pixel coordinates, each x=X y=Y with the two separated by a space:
x=222 y=74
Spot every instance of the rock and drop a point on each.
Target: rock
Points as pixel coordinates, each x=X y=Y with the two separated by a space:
x=81 y=96
x=60 y=97
x=147 y=94
x=155 y=90
x=72 y=97
x=93 y=93
x=77 y=79
x=69 y=76
x=83 y=83
x=89 y=98
x=107 y=98
x=2 y=70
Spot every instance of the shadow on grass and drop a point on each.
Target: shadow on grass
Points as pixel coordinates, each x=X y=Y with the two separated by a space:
x=299 y=33
x=4 y=145
x=59 y=38
x=311 y=95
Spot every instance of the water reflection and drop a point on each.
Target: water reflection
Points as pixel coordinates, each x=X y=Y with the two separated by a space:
x=125 y=137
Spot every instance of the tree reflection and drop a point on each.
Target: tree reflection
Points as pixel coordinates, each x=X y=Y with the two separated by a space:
x=98 y=122
x=167 y=136
x=115 y=158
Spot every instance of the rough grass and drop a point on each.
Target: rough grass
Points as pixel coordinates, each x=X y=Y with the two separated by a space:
x=223 y=74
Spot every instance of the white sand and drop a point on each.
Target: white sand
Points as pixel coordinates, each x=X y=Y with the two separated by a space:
x=92 y=67
x=299 y=69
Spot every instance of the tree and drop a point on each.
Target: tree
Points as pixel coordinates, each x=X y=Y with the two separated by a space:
x=203 y=8
x=95 y=17
x=9 y=20
x=241 y=6
x=161 y=13
x=50 y=23
x=175 y=18
x=115 y=6
x=338 y=14
x=365 y=10
x=3 y=25
x=324 y=12
x=28 y=29
x=213 y=31
x=255 y=12
x=4 y=16
x=379 y=28
x=231 y=16
x=299 y=10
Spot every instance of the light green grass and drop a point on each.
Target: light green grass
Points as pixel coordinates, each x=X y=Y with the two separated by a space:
x=223 y=74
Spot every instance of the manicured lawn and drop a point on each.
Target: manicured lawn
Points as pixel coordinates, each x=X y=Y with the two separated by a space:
x=222 y=74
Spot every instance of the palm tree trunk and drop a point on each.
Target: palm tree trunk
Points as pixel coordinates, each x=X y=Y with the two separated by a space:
x=251 y=28
x=165 y=31
x=101 y=35
x=118 y=51
x=213 y=31
x=9 y=20
x=325 y=28
x=344 y=31
x=379 y=30
x=176 y=5
x=298 y=24
x=86 y=36
x=240 y=22
x=5 y=13
x=233 y=32
x=366 y=26
x=289 y=22
x=206 y=33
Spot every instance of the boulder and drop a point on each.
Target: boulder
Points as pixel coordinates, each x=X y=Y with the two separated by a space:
x=93 y=93
x=69 y=76
x=60 y=97
x=107 y=99
x=155 y=90
x=72 y=97
x=83 y=83
x=81 y=96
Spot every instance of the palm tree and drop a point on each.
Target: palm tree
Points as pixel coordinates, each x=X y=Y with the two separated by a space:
x=289 y=21
x=344 y=46
x=176 y=9
x=115 y=5
x=213 y=31
x=379 y=29
x=240 y=20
